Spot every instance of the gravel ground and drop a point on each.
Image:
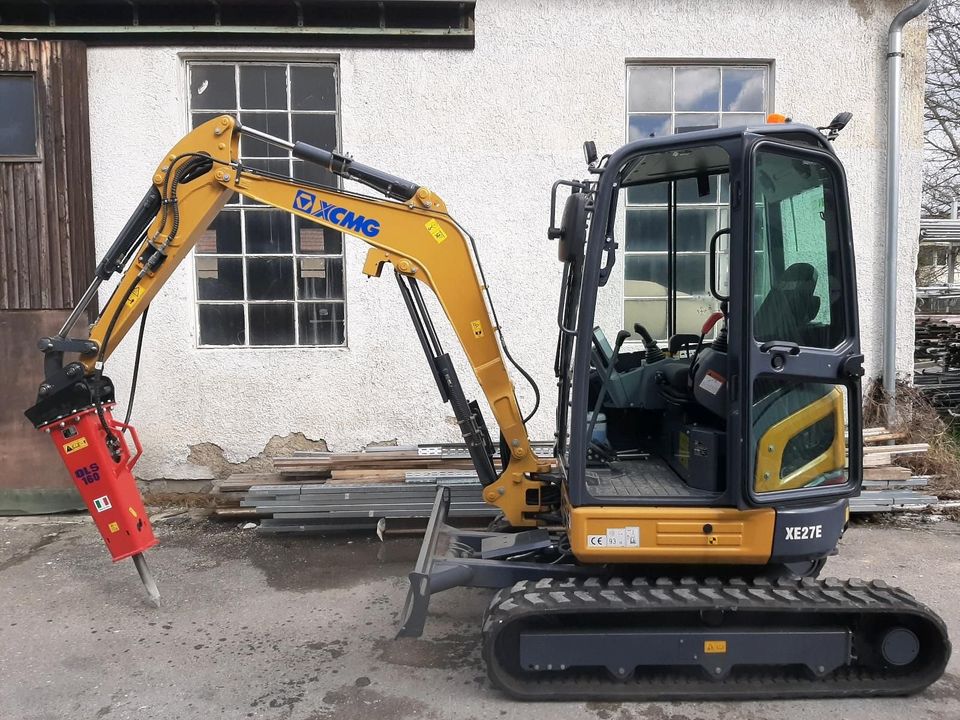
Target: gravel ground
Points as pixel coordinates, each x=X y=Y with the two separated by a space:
x=256 y=626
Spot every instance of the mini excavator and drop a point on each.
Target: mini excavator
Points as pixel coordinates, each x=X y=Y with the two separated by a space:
x=670 y=547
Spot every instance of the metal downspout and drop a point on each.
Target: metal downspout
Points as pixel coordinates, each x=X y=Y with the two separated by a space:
x=894 y=63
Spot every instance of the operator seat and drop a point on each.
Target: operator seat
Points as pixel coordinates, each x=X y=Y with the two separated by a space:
x=789 y=307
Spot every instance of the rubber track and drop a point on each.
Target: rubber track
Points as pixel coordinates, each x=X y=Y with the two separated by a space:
x=857 y=598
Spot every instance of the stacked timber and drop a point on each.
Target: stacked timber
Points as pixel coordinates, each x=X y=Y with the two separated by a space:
x=889 y=487
x=316 y=491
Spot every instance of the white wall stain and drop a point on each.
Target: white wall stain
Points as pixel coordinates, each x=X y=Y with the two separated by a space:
x=489 y=130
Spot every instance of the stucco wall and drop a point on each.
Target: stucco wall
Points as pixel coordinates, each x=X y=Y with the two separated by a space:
x=489 y=130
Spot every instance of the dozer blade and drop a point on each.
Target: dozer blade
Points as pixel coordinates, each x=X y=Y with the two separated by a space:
x=450 y=557
x=689 y=640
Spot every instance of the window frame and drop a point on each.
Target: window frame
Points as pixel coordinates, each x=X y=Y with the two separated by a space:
x=38 y=125
x=241 y=206
x=768 y=66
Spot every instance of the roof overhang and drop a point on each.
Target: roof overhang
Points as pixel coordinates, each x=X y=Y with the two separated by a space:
x=387 y=23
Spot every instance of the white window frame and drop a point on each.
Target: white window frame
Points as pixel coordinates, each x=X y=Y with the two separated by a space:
x=242 y=205
x=674 y=64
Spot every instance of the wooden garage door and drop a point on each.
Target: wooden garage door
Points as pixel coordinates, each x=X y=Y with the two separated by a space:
x=46 y=248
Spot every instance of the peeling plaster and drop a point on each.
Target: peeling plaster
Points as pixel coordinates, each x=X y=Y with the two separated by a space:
x=212 y=456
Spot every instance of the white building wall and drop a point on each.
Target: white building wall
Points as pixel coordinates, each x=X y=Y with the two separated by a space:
x=489 y=130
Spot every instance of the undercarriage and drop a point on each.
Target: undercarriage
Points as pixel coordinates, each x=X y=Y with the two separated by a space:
x=559 y=630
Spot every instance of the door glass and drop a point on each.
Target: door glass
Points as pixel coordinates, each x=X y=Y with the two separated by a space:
x=796 y=243
x=800 y=436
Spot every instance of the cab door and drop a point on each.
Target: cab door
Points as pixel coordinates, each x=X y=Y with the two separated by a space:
x=801 y=342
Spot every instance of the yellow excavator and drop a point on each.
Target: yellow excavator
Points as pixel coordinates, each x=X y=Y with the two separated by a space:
x=670 y=546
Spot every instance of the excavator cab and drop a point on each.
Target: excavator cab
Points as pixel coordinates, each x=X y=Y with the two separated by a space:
x=722 y=262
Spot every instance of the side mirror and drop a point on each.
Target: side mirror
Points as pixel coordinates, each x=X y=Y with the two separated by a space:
x=590 y=152
x=837 y=125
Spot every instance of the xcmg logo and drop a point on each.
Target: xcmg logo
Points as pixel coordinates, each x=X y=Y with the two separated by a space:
x=347 y=219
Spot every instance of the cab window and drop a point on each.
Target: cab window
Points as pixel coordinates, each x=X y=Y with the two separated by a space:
x=797 y=290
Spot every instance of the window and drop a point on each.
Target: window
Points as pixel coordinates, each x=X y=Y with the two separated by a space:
x=664 y=99
x=797 y=294
x=18 y=130
x=265 y=277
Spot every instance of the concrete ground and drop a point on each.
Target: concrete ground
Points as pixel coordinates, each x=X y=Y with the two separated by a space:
x=268 y=627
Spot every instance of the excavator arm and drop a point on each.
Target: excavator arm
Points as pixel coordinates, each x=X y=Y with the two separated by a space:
x=411 y=231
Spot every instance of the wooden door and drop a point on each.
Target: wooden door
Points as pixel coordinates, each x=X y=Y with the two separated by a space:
x=46 y=248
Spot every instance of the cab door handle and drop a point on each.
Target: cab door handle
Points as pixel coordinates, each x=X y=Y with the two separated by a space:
x=780 y=346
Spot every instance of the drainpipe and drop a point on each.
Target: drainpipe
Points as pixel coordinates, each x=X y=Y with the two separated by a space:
x=894 y=63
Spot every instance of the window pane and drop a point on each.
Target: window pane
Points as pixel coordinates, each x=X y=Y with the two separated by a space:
x=696 y=121
x=698 y=89
x=738 y=119
x=694 y=228
x=652 y=314
x=221 y=325
x=655 y=194
x=213 y=87
x=798 y=240
x=271 y=123
x=647 y=126
x=313 y=239
x=223 y=235
x=313 y=88
x=320 y=278
x=321 y=324
x=650 y=89
x=263 y=87
x=271 y=324
x=18 y=126
x=317 y=130
x=270 y=278
x=688 y=191
x=693 y=312
x=275 y=166
x=198 y=119
x=814 y=454
x=743 y=89
x=219 y=278
x=313 y=173
x=647 y=230
x=692 y=274
x=645 y=276
x=268 y=231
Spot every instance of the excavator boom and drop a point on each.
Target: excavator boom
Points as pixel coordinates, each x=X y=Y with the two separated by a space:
x=412 y=232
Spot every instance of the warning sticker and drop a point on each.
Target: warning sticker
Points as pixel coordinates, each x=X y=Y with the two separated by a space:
x=102 y=503
x=114 y=527
x=712 y=382
x=133 y=512
x=477 y=328
x=134 y=296
x=433 y=227
x=714 y=647
x=79 y=444
x=616 y=537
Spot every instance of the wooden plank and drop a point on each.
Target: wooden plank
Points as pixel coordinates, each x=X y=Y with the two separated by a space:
x=912 y=448
x=78 y=198
x=889 y=472
x=241 y=482
x=885 y=437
